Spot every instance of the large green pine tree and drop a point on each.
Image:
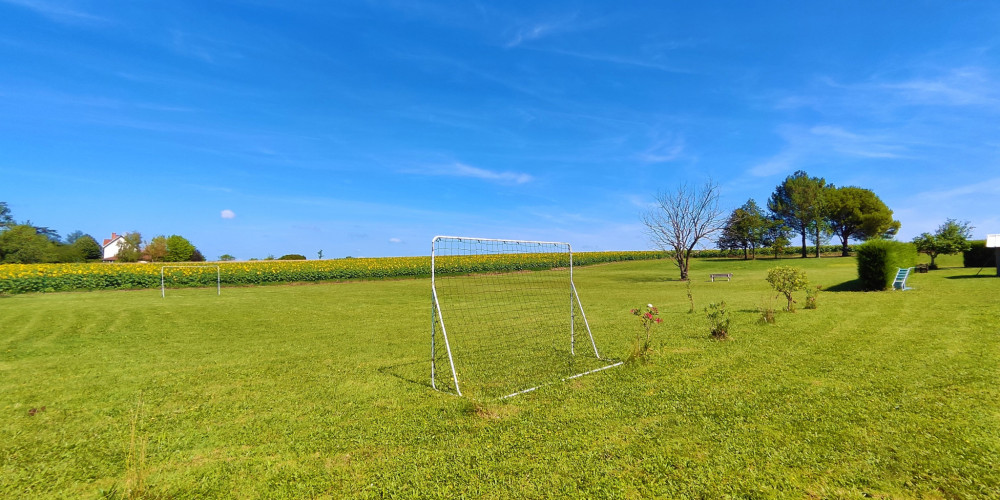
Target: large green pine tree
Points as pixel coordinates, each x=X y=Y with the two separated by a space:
x=799 y=202
x=856 y=213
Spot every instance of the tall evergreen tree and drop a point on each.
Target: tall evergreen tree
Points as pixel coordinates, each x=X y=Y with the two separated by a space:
x=798 y=201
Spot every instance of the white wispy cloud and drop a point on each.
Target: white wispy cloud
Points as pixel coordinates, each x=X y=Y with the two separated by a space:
x=58 y=11
x=663 y=149
x=207 y=49
x=956 y=86
x=459 y=169
x=228 y=214
x=463 y=170
x=989 y=188
x=528 y=33
x=617 y=60
x=535 y=30
x=962 y=86
x=395 y=240
x=826 y=141
x=848 y=143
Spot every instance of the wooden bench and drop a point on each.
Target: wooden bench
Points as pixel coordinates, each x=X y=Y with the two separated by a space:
x=900 y=282
x=728 y=276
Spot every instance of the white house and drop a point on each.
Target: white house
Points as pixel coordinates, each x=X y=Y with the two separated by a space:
x=111 y=247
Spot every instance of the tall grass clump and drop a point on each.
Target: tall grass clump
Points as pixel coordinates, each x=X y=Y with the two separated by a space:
x=648 y=318
x=718 y=320
x=878 y=261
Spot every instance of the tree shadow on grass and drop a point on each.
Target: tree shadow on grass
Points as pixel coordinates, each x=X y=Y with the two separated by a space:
x=992 y=274
x=847 y=286
x=651 y=279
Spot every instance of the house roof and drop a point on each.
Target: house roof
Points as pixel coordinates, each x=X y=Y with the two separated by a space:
x=108 y=241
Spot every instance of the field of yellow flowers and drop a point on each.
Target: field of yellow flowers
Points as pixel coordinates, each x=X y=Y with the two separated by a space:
x=26 y=278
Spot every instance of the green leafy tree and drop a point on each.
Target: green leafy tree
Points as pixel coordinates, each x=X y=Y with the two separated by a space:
x=745 y=229
x=66 y=253
x=775 y=236
x=799 y=202
x=856 y=213
x=819 y=234
x=51 y=234
x=226 y=257
x=21 y=244
x=6 y=219
x=156 y=249
x=72 y=237
x=87 y=247
x=950 y=238
x=179 y=249
x=787 y=280
x=131 y=247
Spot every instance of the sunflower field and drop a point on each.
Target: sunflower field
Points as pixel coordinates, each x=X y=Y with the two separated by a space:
x=26 y=278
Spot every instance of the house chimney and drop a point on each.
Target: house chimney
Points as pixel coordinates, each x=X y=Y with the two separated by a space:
x=113 y=235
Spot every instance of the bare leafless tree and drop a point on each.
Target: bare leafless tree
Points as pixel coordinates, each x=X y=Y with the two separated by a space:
x=683 y=218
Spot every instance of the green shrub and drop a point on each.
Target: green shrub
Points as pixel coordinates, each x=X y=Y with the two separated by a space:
x=292 y=256
x=786 y=280
x=878 y=261
x=811 y=294
x=718 y=320
x=979 y=255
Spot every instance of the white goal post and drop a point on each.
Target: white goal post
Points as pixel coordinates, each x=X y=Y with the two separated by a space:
x=506 y=317
x=218 y=278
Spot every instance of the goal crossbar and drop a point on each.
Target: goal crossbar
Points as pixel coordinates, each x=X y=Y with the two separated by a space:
x=218 y=278
x=444 y=311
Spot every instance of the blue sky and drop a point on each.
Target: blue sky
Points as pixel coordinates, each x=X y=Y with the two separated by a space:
x=366 y=128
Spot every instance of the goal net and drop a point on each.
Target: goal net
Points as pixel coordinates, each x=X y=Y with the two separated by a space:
x=506 y=317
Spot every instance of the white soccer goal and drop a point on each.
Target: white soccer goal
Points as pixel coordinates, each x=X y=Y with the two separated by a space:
x=163 y=287
x=506 y=317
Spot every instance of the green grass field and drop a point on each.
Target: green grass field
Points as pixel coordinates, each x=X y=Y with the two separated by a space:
x=323 y=391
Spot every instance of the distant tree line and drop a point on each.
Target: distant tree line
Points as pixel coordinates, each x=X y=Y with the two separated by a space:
x=812 y=209
x=803 y=205
x=27 y=243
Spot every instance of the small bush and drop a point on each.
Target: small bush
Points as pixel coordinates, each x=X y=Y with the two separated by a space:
x=718 y=320
x=811 y=294
x=878 y=261
x=787 y=280
x=979 y=255
x=292 y=256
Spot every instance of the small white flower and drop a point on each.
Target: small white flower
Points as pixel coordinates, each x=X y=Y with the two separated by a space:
x=650 y=305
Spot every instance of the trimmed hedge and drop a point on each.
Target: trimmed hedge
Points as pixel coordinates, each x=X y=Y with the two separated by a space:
x=878 y=261
x=979 y=255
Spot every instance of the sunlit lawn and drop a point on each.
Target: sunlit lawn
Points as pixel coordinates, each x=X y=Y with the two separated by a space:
x=323 y=391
